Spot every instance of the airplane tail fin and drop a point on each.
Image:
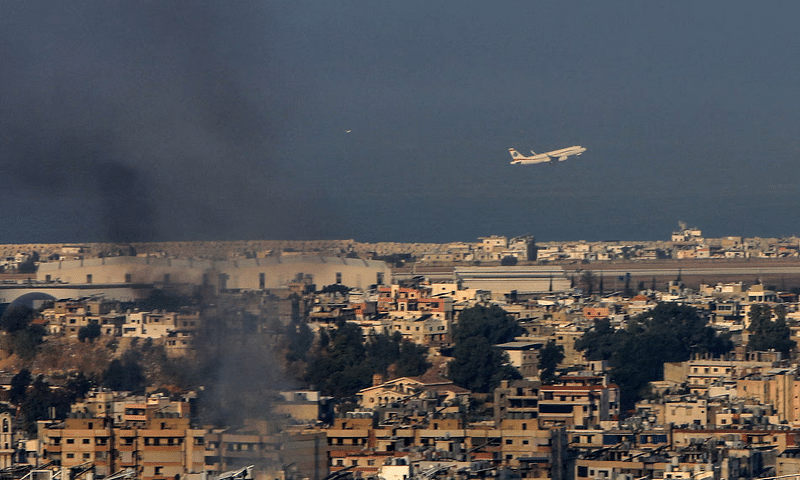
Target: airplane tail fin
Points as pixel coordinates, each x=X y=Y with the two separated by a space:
x=514 y=154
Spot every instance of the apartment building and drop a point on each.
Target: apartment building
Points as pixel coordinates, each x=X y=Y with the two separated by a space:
x=157 y=442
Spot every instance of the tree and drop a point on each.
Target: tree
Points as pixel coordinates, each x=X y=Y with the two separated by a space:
x=78 y=386
x=345 y=364
x=340 y=369
x=37 y=403
x=491 y=323
x=16 y=318
x=508 y=261
x=335 y=288
x=598 y=343
x=767 y=334
x=301 y=338
x=26 y=342
x=19 y=386
x=89 y=332
x=477 y=364
x=667 y=333
x=549 y=358
x=411 y=359
x=124 y=375
x=627 y=291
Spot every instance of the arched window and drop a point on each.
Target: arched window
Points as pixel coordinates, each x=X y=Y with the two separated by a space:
x=5 y=425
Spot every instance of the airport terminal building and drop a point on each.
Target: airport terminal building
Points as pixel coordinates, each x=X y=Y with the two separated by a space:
x=245 y=274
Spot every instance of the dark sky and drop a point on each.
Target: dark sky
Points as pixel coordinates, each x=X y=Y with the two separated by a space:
x=136 y=121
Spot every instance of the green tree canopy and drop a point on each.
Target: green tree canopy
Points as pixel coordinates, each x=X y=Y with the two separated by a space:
x=667 y=333
x=344 y=363
x=19 y=386
x=124 y=375
x=477 y=364
x=768 y=334
x=492 y=323
x=509 y=261
x=16 y=318
x=89 y=332
x=549 y=357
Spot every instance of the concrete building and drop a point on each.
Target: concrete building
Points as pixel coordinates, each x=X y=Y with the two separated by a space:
x=502 y=280
x=245 y=274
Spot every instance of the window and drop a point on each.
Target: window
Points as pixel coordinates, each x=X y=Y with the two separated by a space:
x=70 y=441
x=70 y=455
x=509 y=441
x=158 y=471
x=262 y=281
x=86 y=456
x=89 y=278
x=128 y=278
x=85 y=441
x=338 y=277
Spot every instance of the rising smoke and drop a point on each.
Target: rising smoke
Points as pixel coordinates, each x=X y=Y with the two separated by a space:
x=141 y=121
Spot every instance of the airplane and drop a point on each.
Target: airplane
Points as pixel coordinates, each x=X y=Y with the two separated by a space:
x=561 y=155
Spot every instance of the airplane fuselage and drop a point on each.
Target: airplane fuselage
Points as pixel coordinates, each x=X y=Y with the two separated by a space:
x=560 y=155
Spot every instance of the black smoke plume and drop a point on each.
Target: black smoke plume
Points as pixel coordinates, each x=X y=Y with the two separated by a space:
x=140 y=121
